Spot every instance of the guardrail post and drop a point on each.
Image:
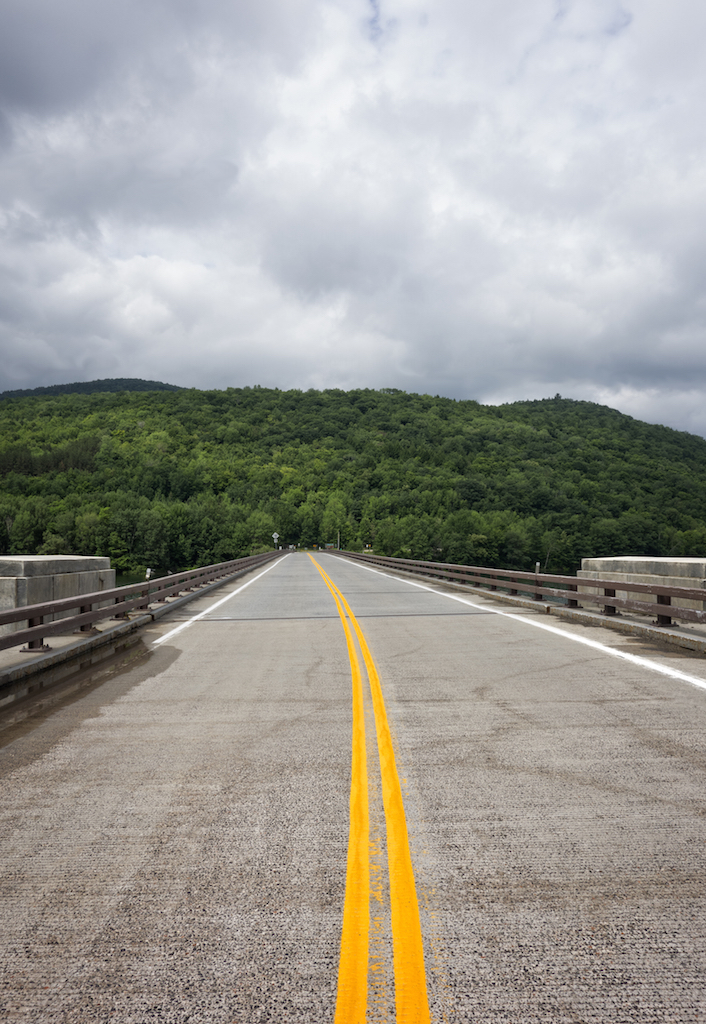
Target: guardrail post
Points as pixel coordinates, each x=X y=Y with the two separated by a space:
x=537 y=595
x=35 y=646
x=87 y=627
x=513 y=592
x=664 y=620
x=609 y=609
x=145 y=592
x=572 y=602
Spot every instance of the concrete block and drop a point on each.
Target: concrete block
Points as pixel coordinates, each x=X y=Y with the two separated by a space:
x=34 y=590
x=665 y=572
x=97 y=579
x=8 y=593
x=51 y=565
x=87 y=582
x=65 y=584
x=14 y=593
x=682 y=568
x=36 y=579
x=8 y=600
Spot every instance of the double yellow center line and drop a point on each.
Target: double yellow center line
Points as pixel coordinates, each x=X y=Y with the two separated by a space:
x=411 y=1001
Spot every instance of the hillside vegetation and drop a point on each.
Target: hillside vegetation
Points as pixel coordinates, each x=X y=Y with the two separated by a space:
x=88 y=387
x=176 y=478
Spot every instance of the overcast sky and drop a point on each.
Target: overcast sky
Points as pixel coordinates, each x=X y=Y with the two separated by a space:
x=483 y=200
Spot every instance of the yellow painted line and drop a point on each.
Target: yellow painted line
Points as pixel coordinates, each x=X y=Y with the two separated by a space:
x=411 y=1000
x=352 y=995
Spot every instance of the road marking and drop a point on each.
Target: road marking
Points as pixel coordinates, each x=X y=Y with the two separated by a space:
x=352 y=995
x=411 y=1000
x=634 y=659
x=216 y=604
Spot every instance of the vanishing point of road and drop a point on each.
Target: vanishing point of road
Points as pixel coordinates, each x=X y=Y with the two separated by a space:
x=326 y=793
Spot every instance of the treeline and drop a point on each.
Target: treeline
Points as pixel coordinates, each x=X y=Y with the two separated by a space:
x=176 y=478
x=89 y=387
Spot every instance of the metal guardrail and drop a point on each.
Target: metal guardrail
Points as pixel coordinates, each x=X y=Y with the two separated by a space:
x=115 y=603
x=535 y=585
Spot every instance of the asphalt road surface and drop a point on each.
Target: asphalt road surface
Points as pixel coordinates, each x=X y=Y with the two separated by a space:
x=183 y=841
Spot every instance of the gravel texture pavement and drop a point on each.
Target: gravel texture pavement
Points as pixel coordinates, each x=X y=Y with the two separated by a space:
x=173 y=841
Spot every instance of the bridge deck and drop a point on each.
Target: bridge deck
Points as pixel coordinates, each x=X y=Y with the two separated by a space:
x=174 y=841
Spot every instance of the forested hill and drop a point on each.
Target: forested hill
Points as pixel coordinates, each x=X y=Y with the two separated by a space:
x=175 y=478
x=89 y=387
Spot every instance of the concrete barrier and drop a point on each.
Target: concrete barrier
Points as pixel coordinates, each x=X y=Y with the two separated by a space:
x=35 y=579
x=662 y=571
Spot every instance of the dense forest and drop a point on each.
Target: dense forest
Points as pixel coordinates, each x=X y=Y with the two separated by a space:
x=88 y=387
x=174 y=478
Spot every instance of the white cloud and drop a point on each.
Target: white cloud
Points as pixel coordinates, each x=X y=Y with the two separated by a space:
x=479 y=200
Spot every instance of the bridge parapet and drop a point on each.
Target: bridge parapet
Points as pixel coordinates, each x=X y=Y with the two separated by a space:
x=652 y=570
x=31 y=622
x=38 y=579
x=684 y=602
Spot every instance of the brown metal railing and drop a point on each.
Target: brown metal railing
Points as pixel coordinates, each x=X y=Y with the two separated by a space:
x=538 y=586
x=115 y=603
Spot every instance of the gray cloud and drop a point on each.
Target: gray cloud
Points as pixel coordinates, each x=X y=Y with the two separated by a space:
x=491 y=201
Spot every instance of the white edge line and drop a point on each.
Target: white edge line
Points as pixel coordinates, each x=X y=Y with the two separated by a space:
x=634 y=659
x=216 y=604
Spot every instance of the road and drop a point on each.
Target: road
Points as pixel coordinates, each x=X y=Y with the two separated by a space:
x=175 y=841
